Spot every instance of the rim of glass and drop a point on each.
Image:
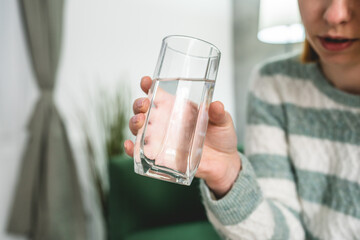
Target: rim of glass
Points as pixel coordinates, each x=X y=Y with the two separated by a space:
x=216 y=55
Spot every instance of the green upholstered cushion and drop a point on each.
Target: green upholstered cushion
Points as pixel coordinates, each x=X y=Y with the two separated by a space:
x=194 y=230
x=138 y=203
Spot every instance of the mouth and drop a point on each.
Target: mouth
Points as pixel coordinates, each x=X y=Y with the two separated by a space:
x=336 y=43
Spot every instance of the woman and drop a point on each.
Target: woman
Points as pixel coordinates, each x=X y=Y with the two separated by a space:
x=300 y=175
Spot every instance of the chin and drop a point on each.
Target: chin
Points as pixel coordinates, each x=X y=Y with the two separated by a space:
x=341 y=59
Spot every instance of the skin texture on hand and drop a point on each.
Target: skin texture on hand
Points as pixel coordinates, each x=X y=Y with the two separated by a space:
x=220 y=162
x=170 y=131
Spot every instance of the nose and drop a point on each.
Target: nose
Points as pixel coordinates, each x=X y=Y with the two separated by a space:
x=338 y=12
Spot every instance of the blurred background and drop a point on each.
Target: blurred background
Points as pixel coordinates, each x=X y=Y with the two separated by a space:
x=105 y=49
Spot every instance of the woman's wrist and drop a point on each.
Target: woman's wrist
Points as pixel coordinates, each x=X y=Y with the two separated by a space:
x=221 y=182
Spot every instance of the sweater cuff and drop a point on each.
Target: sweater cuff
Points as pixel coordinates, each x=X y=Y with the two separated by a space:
x=243 y=198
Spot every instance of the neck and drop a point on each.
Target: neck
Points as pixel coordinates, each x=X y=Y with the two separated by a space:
x=345 y=78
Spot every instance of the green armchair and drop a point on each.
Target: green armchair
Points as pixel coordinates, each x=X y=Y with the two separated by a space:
x=143 y=208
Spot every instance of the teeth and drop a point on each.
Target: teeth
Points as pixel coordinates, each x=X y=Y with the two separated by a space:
x=336 y=40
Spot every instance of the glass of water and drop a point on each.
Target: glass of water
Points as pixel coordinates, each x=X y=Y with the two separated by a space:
x=169 y=145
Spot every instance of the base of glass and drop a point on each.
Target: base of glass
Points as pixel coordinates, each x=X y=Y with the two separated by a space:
x=147 y=167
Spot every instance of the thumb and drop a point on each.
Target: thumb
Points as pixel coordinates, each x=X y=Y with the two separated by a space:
x=217 y=114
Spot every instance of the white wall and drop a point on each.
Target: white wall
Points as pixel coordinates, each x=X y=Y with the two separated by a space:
x=104 y=43
x=120 y=40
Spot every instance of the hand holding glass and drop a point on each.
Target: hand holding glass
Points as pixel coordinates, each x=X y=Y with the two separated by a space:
x=169 y=144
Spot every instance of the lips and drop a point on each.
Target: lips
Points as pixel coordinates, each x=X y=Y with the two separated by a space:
x=336 y=43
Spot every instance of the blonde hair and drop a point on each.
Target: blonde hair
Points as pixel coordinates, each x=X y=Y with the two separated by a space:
x=308 y=54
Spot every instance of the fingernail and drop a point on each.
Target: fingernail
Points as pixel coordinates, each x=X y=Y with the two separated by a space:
x=139 y=104
x=135 y=119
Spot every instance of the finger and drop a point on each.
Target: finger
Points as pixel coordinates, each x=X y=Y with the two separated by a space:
x=217 y=114
x=129 y=148
x=146 y=84
x=136 y=122
x=141 y=105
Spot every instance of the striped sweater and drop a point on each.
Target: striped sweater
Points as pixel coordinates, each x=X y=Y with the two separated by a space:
x=300 y=176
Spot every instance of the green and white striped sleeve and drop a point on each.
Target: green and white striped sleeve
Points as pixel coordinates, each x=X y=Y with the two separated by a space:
x=263 y=202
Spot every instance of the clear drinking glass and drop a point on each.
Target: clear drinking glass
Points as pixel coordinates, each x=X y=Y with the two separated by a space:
x=169 y=145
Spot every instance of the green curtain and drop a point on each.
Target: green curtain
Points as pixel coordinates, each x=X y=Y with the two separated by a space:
x=47 y=202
